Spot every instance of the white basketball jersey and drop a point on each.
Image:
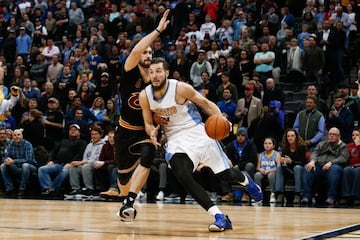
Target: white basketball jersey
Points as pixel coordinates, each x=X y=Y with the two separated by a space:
x=180 y=116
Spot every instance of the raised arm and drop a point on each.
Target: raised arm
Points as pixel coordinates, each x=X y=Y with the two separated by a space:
x=134 y=56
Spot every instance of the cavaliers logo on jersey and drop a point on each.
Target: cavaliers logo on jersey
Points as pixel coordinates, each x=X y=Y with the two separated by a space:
x=133 y=101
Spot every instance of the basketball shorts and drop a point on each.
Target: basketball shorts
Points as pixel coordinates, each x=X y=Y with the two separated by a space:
x=201 y=149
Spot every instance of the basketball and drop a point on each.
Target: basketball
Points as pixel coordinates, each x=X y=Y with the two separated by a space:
x=217 y=127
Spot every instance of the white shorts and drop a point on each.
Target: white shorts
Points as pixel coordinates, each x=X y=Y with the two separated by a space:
x=201 y=149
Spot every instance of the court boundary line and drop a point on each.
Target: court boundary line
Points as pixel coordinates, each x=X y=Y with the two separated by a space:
x=333 y=233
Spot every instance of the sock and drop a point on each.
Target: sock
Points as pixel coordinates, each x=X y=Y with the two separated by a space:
x=245 y=182
x=214 y=210
x=131 y=199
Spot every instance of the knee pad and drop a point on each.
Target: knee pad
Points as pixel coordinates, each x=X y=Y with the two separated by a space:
x=147 y=155
x=124 y=178
x=231 y=175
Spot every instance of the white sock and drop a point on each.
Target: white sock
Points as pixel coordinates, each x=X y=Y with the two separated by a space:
x=245 y=182
x=214 y=210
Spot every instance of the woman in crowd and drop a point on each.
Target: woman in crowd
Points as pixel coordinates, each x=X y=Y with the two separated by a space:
x=293 y=159
x=351 y=175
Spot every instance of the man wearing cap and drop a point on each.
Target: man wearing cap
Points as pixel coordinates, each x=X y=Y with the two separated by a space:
x=351 y=103
x=243 y=155
x=105 y=89
x=227 y=84
x=52 y=175
x=53 y=122
x=23 y=44
x=341 y=117
x=9 y=46
x=249 y=107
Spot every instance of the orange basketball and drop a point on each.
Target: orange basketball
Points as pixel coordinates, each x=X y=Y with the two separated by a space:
x=217 y=127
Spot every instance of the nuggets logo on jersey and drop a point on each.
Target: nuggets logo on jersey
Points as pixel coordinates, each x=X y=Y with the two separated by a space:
x=166 y=112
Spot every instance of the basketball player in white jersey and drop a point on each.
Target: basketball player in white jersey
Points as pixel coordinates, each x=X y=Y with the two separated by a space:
x=187 y=145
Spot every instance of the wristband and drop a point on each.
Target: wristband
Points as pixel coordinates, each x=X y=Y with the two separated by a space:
x=157 y=30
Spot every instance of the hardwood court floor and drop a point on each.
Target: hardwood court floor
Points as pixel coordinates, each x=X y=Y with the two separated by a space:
x=60 y=220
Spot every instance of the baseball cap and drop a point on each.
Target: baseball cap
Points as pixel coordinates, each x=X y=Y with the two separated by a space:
x=201 y=51
x=52 y=99
x=105 y=74
x=74 y=125
x=22 y=28
x=249 y=87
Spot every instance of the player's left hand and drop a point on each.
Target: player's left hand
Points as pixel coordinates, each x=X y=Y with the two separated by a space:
x=153 y=136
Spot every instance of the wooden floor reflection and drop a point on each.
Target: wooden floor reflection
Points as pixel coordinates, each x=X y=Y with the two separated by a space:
x=55 y=220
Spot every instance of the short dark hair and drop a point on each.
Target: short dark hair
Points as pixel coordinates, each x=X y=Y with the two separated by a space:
x=160 y=60
x=314 y=98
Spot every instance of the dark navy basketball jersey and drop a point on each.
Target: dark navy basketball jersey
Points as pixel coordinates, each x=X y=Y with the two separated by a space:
x=131 y=85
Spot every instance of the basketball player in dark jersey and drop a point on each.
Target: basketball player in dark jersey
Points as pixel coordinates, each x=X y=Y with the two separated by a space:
x=134 y=151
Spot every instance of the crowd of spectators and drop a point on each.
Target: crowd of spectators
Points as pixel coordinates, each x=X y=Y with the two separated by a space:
x=66 y=56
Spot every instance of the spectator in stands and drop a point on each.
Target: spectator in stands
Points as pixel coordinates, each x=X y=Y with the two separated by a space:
x=208 y=88
x=238 y=24
x=341 y=117
x=208 y=28
x=31 y=104
x=227 y=106
x=264 y=61
x=105 y=166
x=321 y=104
x=294 y=63
x=248 y=108
x=225 y=31
x=23 y=44
x=245 y=42
x=85 y=168
x=246 y=67
x=272 y=92
x=243 y=155
x=180 y=64
x=263 y=126
x=268 y=161
x=29 y=91
x=54 y=69
x=38 y=71
x=287 y=17
x=45 y=95
x=226 y=84
x=98 y=109
x=49 y=51
x=350 y=188
x=310 y=123
x=351 y=103
x=198 y=67
x=64 y=82
x=34 y=129
x=292 y=162
x=52 y=175
x=314 y=62
x=19 y=163
x=53 y=123
x=326 y=162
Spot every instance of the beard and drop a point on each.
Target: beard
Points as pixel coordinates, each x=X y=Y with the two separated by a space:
x=160 y=86
x=145 y=64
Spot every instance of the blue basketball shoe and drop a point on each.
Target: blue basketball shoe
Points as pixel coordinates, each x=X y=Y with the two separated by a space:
x=222 y=223
x=253 y=189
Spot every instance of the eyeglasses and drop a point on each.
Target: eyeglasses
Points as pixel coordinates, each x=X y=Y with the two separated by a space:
x=333 y=134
